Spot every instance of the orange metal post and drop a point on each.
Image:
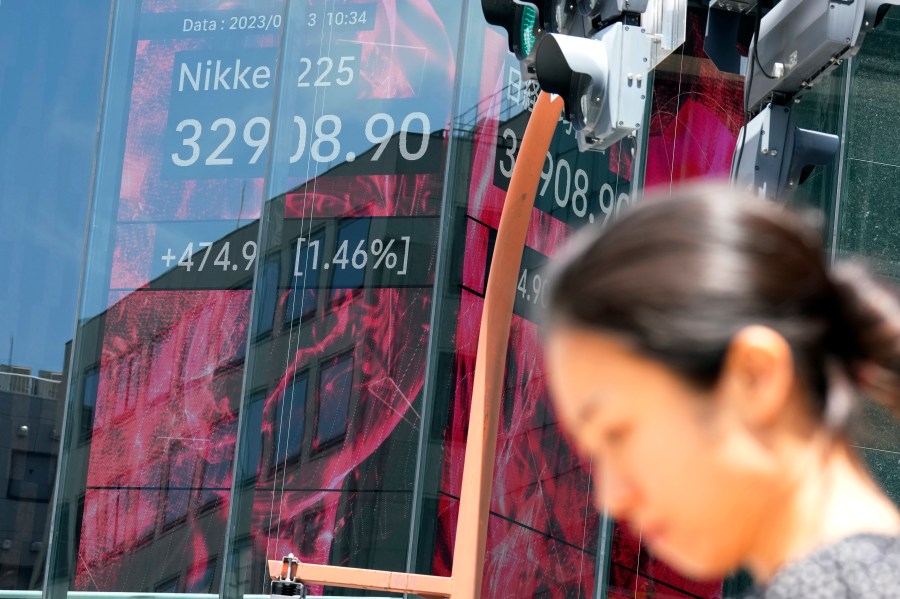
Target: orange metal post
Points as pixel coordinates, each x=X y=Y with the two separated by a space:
x=481 y=444
x=490 y=361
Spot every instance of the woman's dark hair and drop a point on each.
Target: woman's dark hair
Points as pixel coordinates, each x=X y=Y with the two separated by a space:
x=678 y=277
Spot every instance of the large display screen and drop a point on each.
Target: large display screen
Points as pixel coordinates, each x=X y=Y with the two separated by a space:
x=542 y=504
x=343 y=320
x=180 y=182
x=294 y=194
x=696 y=114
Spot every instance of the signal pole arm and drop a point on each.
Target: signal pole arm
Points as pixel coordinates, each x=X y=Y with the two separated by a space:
x=493 y=343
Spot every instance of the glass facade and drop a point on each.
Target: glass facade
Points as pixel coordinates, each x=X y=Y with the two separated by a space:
x=291 y=212
x=51 y=72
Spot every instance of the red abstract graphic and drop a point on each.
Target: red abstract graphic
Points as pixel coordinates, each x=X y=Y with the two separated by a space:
x=339 y=415
x=319 y=488
x=696 y=116
x=146 y=194
x=372 y=339
x=338 y=399
x=168 y=387
x=543 y=533
x=359 y=196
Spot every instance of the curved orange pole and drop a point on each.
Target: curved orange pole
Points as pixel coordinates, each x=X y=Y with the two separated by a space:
x=481 y=444
x=490 y=361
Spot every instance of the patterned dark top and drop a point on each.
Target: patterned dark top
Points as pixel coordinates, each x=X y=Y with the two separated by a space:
x=862 y=566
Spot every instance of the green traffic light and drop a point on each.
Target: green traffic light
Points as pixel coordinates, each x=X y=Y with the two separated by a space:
x=519 y=19
x=527 y=37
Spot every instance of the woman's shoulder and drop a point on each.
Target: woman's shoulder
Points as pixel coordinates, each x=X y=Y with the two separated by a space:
x=865 y=565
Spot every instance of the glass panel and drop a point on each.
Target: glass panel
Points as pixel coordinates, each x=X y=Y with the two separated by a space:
x=290 y=421
x=868 y=209
x=696 y=116
x=335 y=387
x=336 y=383
x=354 y=407
x=51 y=65
x=158 y=358
x=543 y=531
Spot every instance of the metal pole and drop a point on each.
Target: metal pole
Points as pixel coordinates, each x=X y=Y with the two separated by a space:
x=490 y=361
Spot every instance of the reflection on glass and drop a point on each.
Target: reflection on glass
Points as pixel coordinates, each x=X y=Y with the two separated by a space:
x=301 y=299
x=158 y=358
x=267 y=292
x=51 y=64
x=252 y=454
x=335 y=385
x=31 y=476
x=356 y=172
x=541 y=505
x=351 y=237
x=290 y=421
x=355 y=295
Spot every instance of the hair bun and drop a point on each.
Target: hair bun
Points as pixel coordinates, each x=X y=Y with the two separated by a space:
x=867 y=336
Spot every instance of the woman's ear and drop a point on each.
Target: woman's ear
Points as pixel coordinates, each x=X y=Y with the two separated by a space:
x=757 y=379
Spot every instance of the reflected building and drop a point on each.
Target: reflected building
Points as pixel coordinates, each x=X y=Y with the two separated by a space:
x=31 y=411
x=160 y=392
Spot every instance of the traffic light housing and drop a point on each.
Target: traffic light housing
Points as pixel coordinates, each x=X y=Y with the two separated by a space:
x=596 y=54
x=560 y=16
x=603 y=81
x=519 y=19
x=607 y=10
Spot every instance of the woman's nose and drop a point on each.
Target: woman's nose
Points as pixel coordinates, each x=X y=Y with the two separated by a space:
x=613 y=492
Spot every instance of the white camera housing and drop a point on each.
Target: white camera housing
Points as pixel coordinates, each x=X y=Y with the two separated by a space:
x=603 y=81
x=801 y=41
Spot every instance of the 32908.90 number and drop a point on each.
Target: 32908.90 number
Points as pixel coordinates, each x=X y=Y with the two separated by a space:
x=568 y=186
x=322 y=139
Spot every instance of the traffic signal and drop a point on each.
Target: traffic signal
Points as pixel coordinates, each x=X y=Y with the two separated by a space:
x=519 y=19
x=559 y=16
x=603 y=81
x=596 y=54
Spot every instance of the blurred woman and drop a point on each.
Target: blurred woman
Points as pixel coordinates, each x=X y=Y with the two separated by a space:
x=704 y=355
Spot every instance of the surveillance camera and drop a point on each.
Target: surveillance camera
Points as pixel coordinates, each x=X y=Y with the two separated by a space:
x=774 y=156
x=603 y=81
x=800 y=42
